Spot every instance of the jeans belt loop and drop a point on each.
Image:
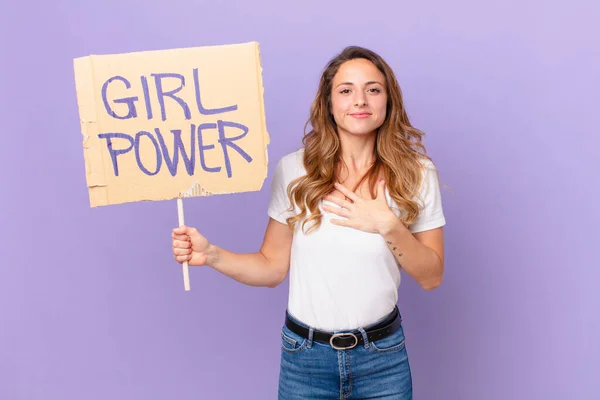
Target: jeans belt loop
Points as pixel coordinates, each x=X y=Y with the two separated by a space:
x=311 y=332
x=365 y=337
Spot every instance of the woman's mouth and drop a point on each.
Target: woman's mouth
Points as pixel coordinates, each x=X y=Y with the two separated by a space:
x=360 y=115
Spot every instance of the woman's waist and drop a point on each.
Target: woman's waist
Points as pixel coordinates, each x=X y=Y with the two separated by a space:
x=337 y=317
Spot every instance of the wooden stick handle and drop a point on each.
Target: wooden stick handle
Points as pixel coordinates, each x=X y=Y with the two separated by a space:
x=186 y=272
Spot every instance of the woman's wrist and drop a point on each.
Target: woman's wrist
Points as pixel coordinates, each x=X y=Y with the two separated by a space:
x=389 y=225
x=212 y=255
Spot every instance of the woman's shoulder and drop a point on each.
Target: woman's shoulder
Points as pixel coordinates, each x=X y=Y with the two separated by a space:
x=292 y=163
x=427 y=163
x=292 y=158
x=429 y=176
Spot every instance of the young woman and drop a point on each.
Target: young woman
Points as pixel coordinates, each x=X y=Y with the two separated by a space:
x=356 y=205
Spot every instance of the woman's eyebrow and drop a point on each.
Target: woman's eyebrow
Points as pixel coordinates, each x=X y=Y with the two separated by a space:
x=368 y=83
x=344 y=83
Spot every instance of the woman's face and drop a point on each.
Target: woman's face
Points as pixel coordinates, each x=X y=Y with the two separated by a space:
x=358 y=97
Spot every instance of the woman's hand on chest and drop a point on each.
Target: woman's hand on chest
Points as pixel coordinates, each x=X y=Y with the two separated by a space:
x=369 y=215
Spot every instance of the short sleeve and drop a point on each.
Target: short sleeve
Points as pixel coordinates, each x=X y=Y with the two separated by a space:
x=279 y=203
x=431 y=215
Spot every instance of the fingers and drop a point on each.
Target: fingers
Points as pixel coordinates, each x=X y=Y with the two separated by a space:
x=181 y=230
x=340 y=222
x=182 y=244
x=340 y=202
x=342 y=212
x=347 y=192
x=184 y=230
x=182 y=259
x=182 y=254
x=183 y=238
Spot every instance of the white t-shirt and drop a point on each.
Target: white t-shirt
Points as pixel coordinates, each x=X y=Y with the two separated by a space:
x=343 y=278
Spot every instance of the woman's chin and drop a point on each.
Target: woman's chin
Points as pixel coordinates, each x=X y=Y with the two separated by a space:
x=358 y=132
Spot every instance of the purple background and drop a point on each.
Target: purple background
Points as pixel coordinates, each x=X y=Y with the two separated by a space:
x=92 y=304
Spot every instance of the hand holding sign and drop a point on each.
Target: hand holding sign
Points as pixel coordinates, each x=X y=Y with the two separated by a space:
x=190 y=246
x=171 y=124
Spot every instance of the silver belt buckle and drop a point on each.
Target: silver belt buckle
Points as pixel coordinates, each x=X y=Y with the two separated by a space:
x=343 y=334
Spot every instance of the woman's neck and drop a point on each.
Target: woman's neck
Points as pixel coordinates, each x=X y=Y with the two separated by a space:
x=358 y=151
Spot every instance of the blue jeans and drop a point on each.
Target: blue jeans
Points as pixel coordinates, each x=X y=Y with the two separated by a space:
x=314 y=370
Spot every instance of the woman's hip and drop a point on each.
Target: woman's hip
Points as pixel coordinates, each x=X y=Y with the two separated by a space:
x=317 y=369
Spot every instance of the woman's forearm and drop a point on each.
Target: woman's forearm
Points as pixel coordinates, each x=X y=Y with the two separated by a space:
x=253 y=269
x=420 y=262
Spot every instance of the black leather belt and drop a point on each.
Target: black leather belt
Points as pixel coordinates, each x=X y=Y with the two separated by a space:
x=349 y=340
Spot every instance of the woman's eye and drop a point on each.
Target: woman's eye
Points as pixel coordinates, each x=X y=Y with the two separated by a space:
x=375 y=90
x=345 y=91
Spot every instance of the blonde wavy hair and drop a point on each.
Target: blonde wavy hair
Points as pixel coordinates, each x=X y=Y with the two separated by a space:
x=398 y=149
